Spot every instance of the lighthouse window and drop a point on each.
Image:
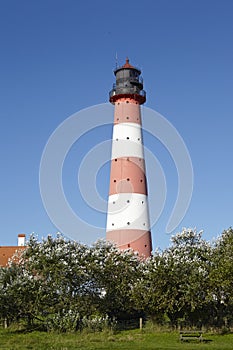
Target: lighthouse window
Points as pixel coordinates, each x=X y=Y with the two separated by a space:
x=128 y=245
x=127 y=101
x=128 y=179
x=112 y=224
x=127 y=138
x=115 y=160
x=128 y=223
x=113 y=202
x=141 y=180
x=116 y=139
x=138 y=139
x=114 y=180
x=128 y=201
x=144 y=224
x=127 y=117
x=145 y=245
x=142 y=202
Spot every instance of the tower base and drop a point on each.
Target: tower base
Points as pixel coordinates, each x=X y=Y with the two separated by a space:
x=137 y=240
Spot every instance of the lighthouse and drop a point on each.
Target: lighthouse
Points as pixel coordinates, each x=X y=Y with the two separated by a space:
x=128 y=224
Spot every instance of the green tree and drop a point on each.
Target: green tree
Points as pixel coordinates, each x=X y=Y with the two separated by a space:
x=50 y=282
x=116 y=274
x=175 y=281
x=221 y=280
x=57 y=283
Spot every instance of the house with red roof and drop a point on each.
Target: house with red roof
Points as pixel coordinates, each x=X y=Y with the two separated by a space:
x=6 y=252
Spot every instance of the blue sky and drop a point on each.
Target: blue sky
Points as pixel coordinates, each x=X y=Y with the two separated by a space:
x=57 y=57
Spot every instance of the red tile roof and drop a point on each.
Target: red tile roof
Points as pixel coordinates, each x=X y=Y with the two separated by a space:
x=6 y=252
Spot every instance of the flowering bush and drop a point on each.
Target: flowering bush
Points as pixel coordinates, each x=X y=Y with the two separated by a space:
x=66 y=286
x=97 y=323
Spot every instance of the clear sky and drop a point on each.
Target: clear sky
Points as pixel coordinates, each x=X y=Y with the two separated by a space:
x=57 y=58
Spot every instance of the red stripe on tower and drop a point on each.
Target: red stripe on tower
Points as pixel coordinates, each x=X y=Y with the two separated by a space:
x=128 y=223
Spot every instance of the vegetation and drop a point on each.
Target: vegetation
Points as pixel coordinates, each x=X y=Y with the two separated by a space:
x=127 y=340
x=64 y=286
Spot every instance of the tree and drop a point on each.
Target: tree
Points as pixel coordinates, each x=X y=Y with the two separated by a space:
x=116 y=273
x=50 y=284
x=175 y=281
x=61 y=285
x=57 y=283
x=221 y=280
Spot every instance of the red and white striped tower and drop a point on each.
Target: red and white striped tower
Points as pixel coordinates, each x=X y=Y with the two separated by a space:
x=128 y=223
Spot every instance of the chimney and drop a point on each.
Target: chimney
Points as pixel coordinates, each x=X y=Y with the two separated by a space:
x=21 y=239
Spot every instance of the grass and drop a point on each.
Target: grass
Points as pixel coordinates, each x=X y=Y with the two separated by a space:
x=125 y=340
